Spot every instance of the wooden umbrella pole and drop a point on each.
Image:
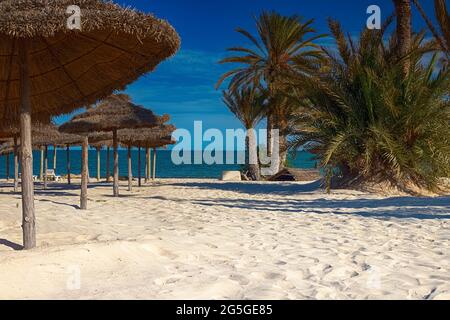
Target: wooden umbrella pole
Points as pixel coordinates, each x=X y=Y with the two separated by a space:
x=16 y=165
x=147 y=164
x=108 y=166
x=84 y=174
x=45 y=166
x=41 y=165
x=154 y=164
x=130 y=171
x=54 y=157
x=116 y=165
x=68 y=164
x=98 y=164
x=139 y=167
x=7 y=167
x=28 y=217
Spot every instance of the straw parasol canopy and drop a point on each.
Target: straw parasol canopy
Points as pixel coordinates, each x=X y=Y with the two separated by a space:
x=72 y=68
x=51 y=66
x=6 y=149
x=43 y=136
x=147 y=138
x=110 y=115
x=140 y=138
x=113 y=113
x=12 y=129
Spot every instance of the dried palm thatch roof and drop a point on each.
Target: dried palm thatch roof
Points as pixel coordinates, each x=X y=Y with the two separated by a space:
x=113 y=113
x=47 y=134
x=6 y=149
x=72 y=68
x=96 y=139
x=146 y=138
x=53 y=137
x=102 y=144
x=9 y=130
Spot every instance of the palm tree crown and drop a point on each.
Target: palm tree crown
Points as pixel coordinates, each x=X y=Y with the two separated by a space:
x=247 y=104
x=284 y=46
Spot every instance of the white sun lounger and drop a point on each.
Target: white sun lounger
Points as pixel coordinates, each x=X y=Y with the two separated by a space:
x=51 y=175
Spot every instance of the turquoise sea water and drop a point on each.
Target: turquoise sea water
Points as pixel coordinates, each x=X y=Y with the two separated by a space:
x=164 y=165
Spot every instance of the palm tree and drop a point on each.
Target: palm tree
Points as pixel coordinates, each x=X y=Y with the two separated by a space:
x=444 y=22
x=404 y=32
x=247 y=104
x=284 y=46
x=443 y=19
x=366 y=118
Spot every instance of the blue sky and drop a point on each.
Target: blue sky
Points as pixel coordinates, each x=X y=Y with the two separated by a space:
x=184 y=85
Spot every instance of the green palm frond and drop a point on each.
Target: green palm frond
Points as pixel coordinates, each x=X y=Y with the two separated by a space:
x=363 y=116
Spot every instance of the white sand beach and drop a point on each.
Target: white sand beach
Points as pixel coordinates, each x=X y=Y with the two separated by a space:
x=204 y=239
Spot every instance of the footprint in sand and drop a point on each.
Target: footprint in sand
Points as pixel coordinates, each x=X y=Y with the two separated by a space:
x=243 y=281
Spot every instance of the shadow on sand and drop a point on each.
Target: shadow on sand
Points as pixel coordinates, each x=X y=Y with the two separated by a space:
x=396 y=207
x=278 y=188
x=399 y=207
x=12 y=245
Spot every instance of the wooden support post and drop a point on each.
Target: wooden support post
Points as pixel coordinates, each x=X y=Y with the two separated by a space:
x=108 y=165
x=45 y=167
x=28 y=217
x=139 y=167
x=84 y=173
x=116 y=165
x=130 y=171
x=147 y=164
x=98 y=163
x=16 y=165
x=54 y=157
x=41 y=165
x=68 y=164
x=7 y=166
x=154 y=164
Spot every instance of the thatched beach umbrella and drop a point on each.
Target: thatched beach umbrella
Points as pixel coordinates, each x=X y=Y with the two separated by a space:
x=50 y=135
x=12 y=131
x=100 y=140
x=6 y=151
x=67 y=140
x=145 y=138
x=48 y=66
x=43 y=136
x=39 y=129
x=110 y=115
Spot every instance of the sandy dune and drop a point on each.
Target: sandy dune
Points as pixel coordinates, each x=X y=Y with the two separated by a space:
x=201 y=239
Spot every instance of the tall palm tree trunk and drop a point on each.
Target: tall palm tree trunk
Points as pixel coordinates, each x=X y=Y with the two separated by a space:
x=252 y=155
x=403 y=12
x=269 y=134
